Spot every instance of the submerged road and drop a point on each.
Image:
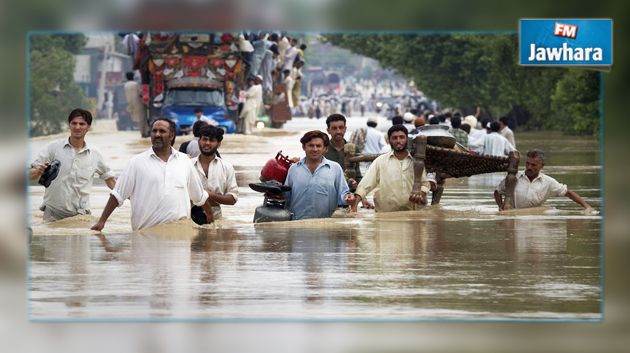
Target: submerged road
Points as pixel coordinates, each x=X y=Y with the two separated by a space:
x=460 y=260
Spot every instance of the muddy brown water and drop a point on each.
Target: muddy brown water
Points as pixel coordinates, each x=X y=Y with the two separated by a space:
x=461 y=260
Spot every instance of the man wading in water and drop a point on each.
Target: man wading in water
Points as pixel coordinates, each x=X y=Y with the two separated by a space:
x=392 y=175
x=160 y=183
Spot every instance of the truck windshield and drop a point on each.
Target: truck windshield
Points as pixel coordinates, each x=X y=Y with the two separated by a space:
x=194 y=97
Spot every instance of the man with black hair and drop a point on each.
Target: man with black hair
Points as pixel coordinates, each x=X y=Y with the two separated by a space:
x=191 y=148
x=336 y=124
x=392 y=176
x=317 y=184
x=136 y=108
x=495 y=144
x=505 y=130
x=217 y=175
x=465 y=128
x=460 y=135
x=442 y=118
x=69 y=193
x=301 y=50
x=397 y=120
x=200 y=117
x=336 y=127
x=160 y=183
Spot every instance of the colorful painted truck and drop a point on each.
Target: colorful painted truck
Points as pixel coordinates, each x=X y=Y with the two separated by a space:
x=183 y=71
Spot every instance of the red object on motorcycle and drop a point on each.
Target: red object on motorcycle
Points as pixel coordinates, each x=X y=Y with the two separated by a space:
x=276 y=168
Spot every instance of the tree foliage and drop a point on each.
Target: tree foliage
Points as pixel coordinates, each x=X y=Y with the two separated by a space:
x=53 y=90
x=468 y=70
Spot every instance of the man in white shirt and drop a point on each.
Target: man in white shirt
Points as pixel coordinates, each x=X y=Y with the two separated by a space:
x=136 y=108
x=494 y=144
x=216 y=174
x=476 y=136
x=289 y=55
x=160 y=183
x=69 y=193
x=192 y=147
x=374 y=139
x=505 y=130
x=533 y=187
x=252 y=105
x=201 y=117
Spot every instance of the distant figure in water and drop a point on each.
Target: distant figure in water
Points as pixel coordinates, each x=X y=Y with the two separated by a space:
x=160 y=182
x=533 y=187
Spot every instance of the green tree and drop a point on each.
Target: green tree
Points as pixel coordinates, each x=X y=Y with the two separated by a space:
x=575 y=102
x=464 y=71
x=53 y=90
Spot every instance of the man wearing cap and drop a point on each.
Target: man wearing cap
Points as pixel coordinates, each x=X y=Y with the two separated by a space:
x=409 y=119
x=69 y=193
x=374 y=139
x=252 y=105
x=417 y=123
x=476 y=136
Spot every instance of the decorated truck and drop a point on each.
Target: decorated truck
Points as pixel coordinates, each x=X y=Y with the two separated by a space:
x=184 y=71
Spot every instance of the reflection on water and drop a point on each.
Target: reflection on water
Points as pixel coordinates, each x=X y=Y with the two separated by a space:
x=459 y=260
x=383 y=269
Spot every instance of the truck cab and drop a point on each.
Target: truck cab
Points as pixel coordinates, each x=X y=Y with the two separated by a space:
x=179 y=105
x=184 y=71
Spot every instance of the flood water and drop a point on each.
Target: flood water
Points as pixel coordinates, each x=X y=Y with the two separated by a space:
x=461 y=260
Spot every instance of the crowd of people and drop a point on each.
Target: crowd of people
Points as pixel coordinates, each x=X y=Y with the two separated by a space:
x=361 y=97
x=162 y=183
x=271 y=59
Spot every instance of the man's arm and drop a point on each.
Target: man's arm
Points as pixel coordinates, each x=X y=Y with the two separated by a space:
x=366 y=185
x=37 y=171
x=577 y=199
x=230 y=195
x=111 y=182
x=44 y=157
x=197 y=194
x=112 y=203
x=342 y=187
x=216 y=199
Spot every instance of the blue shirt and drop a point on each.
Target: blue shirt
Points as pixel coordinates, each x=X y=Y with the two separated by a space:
x=316 y=195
